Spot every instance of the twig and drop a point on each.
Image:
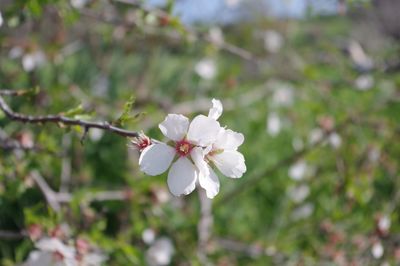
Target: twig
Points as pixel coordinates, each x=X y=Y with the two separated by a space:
x=204 y=227
x=12 y=235
x=48 y=193
x=233 y=49
x=59 y=119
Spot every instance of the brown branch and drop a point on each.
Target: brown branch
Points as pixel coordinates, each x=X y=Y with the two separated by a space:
x=59 y=119
x=10 y=235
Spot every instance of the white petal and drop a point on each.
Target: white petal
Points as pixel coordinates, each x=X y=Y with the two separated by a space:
x=203 y=130
x=155 y=159
x=174 y=126
x=182 y=177
x=210 y=183
x=216 y=110
x=228 y=140
x=197 y=155
x=230 y=163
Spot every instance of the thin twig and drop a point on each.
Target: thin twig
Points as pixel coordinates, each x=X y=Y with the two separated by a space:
x=204 y=226
x=59 y=119
x=233 y=49
x=12 y=235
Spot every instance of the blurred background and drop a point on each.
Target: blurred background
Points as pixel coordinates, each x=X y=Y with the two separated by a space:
x=312 y=84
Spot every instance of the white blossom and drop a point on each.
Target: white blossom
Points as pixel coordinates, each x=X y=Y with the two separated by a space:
x=160 y=253
x=299 y=193
x=274 y=124
x=148 y=236
x=302 y=212
x=377 y=250
x=335 y=140
x=206 y=68
x=188 y=138
x=364 y=82
x=273 y=41
x=298 y=170
x=283 y=95
x=1 y=19
x=30 y=61
x=51 y=252
x=196 y=145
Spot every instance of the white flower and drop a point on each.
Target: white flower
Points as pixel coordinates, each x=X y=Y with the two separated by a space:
x=160 y=253
x=197 y=144
x=298 y=170
x=148 y=236
x=1 y=19
x=33 y=60
x=189 y=138
x=206 y=69
x=52 y=252
x=302 y=212
x=273 y=124
x=298 y=194
x=222 y=153
x=273 y=41
x=377 y=250
x=364 y=82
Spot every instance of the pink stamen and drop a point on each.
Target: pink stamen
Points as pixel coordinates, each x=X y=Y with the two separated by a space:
x=183 y=147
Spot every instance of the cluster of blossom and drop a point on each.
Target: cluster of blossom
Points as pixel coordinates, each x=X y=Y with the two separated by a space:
x=196 y=146
x=57 y=249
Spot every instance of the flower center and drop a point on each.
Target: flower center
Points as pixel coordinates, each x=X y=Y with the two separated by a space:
x=183 y=147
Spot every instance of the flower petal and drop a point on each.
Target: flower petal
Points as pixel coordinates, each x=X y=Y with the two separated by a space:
x=155 y=159
x=203 y=130
x=230 y=163
x=209 y=182
x=174 y=126
x=182 y=177
x=216 y=110
x=197 y=155
x=228 y=140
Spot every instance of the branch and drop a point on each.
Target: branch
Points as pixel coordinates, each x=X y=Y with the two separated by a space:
x=204 y=226
x=59 y=119
x=233 y=49
x=12 y=235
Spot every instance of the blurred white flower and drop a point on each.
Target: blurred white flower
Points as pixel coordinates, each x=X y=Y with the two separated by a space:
x=160 y=253
x=315 y=136
x=303 y=212
x=335 y=140
x=298 y=170
x=78 y=3
x=206 y=68
x=33 y=60
x=283 y=96
x=364 y=82
x=384 y=223
x=377 y=250
x=92 y=259
x=216 y=35
x=52 y=252
x=273 y=41
x=148 y=236
x=298 y=193
x=273 y=124
x=15 y=52
x=1 y=19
